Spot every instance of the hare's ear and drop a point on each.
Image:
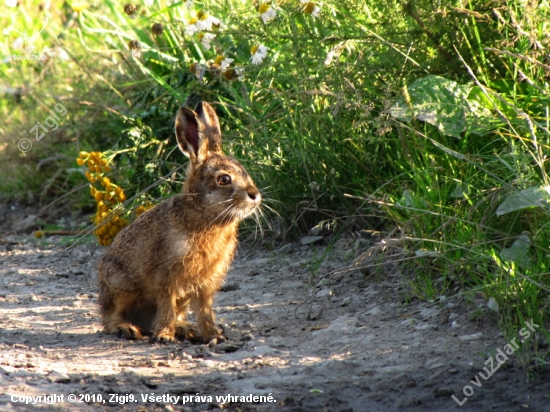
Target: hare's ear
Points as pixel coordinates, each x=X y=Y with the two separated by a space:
x=198 y=133
x=212 y=133
x=188 y=132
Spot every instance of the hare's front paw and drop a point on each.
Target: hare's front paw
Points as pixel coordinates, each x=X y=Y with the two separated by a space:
x=128 y=331
x=213 y=335
x=187 y=331
x=165 y=335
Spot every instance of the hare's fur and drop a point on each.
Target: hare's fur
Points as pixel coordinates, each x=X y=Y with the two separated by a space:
x=177 y=254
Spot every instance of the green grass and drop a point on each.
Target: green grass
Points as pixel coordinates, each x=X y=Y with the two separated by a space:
x=373 y=115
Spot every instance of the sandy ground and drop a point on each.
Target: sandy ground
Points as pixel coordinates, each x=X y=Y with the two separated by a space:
x=338 y=340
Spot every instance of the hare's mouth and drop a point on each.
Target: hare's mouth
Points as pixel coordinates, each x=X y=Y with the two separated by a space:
x=237 y=210
x=244 y=210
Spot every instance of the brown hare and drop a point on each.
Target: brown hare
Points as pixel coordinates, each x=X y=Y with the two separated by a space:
x=177 y=254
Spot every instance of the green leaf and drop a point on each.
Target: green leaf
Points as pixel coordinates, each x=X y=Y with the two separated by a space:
x=518 y=252
x=537 y=196
x=445 y=104
x=409 y=199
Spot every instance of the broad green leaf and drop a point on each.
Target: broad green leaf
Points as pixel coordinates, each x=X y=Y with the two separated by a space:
x=409 y=199
x=537 y=196
x=460 y=191
x=518 y=252
x=444 y=103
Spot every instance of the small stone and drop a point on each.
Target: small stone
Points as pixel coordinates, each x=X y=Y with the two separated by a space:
x=473 y=336
x=455 y=325
x=308 y=240
x=150 y=384
x=323 y=292
x=493 y=305
x=453 y=316
x=227 y=347
x=25 y=224
x=229 y=287
x=286 y=248
x=259 y=262
x=374 y=311
x=428 y=313
x=424 y=326
x=58 y=377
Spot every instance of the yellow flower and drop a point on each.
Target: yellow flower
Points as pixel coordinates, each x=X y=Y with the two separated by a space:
x=79 y=6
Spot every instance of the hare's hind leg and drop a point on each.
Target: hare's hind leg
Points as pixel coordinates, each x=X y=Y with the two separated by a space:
x=113 y=316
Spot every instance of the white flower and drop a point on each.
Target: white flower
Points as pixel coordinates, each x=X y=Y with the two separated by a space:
x=315 y=12
x=206 y=39
x=259 y=53
x=224 y=65
x=191 y=29
x=188 y=4
x=239 y=71
x=11 y=3
x=267 y=13
x=206 y=23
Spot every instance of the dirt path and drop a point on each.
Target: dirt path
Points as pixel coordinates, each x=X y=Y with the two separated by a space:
x=365 y=350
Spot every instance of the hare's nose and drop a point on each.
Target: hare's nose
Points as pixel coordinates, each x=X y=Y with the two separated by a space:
x=253 y=194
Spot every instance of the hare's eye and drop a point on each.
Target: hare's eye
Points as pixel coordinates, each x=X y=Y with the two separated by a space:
x=224 y=180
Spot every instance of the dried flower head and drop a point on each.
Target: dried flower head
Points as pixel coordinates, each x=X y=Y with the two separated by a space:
x=157 y=28
x=131 y=10
x=215 y=69
x=135 y=47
